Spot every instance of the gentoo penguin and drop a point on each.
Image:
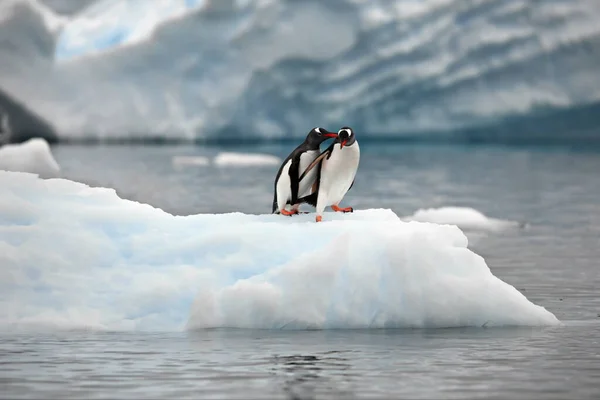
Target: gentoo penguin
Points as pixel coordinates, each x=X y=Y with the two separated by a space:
x=336 y=169
x=288 y=189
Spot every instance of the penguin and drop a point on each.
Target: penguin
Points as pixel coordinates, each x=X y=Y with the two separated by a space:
x=288 y=188
x=336 y=170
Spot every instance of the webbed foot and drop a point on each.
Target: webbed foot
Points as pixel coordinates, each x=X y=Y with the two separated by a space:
x=344 y=210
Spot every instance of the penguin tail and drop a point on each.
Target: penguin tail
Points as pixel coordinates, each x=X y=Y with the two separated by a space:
x=310 y=199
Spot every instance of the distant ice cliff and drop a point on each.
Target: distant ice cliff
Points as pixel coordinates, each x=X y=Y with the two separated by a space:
x=271 y=69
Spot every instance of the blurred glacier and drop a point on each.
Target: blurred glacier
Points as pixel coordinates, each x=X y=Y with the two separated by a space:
x=116 y=23
x=271 y=69
x=74 y=256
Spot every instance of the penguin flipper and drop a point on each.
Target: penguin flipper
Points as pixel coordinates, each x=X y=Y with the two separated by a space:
x=320 y=157
x=314 y=196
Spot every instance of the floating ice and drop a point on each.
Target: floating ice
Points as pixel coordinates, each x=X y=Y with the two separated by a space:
x=227 y=159
x=463 y=217
x=181 y=161
x=74 y=256
x=32 y=156
x=245 y=159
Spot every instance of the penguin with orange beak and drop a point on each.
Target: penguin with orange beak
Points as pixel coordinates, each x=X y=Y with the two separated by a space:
x=289 y=189
x=336 y=171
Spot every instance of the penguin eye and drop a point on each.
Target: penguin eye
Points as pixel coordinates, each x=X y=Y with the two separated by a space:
x=318 y=130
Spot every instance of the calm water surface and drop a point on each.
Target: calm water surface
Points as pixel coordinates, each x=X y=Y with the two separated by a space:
x=554 y=262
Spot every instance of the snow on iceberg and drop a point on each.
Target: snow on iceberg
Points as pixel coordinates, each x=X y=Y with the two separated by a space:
x=464 y=217
x=79 y=257
x=33 y=156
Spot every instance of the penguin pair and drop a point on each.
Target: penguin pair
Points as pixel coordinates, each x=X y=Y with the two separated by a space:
x=320 y=180
x=289 y=189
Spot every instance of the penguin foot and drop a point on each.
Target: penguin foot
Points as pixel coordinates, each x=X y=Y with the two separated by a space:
x=289 y=213
x=344 y=210
x=318 y=218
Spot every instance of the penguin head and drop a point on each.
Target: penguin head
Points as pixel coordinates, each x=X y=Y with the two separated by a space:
x=318 y=135
x=345 y=137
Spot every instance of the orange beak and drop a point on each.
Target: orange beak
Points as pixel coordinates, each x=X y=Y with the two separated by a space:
x=342 y=144
x=331 y=135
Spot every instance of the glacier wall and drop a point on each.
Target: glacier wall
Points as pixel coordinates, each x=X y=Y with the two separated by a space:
x=271 y=69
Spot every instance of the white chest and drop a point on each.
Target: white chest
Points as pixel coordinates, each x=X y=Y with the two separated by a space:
x=339 y=171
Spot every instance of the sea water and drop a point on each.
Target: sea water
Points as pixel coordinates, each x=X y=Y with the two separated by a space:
x=552 y=259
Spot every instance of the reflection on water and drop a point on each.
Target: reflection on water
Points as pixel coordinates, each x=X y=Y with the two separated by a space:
x=306 y=374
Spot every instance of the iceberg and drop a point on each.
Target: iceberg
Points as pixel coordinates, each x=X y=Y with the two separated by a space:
x=271 y=69
x=180 y=162
x=231 y=159
x=33 y=156
x=227 y=159
x=77 y=257
x=464 y=217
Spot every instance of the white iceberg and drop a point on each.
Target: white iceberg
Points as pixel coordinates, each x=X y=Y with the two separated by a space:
x=464 y=217
x=33 y=156
x=183 y=161
x=227 y=159
x=232 y=159
x=79 y=257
